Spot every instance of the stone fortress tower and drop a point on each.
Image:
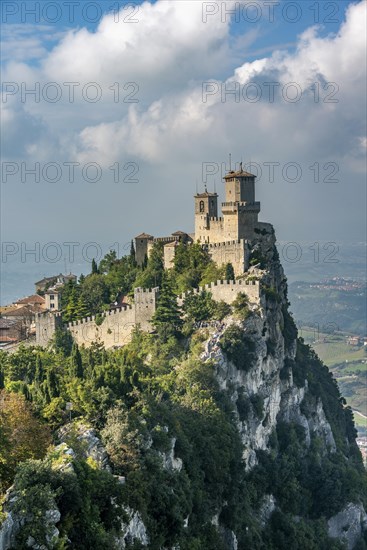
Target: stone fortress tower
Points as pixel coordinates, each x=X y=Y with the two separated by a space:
x=226 y=238
x=240 y=211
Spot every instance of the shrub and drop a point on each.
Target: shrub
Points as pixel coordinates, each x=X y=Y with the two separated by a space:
x=271 y=294
x=243 y=406
x=238 y=347
x=258 y=404
x=240 y=306
x=99 y=319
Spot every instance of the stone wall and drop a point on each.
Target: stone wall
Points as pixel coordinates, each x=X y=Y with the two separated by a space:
x=228 y=290
x=209 y=229
x=115 y=329
x=145 y=303
x=46 y=324
x=117 y=325
x=234 y=252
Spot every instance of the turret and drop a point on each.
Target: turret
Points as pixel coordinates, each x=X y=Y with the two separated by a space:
x=240 y=186
x=141 y=247
x=206 y=207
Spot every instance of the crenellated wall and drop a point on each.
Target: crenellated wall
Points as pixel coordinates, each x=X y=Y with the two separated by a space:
x=114 y=330
x=117 y=325
x=234 y=252
x=46 y=324
x=227 y=291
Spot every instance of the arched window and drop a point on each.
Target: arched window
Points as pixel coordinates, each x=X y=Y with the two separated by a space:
x=202 y=206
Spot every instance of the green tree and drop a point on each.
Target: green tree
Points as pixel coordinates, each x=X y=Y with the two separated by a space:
x=94 y=267
x=132 y=254
x=76 y=364
x=229 y=273
x=62 y=341
x=52 y=386
x=82 y=310
x=199 y=307
x=95 y=293
x=22 y=436
x=2 y=378
x=152 y=275
x=71 y=308
x=166 y=318
x=107 y=262
x=39 y=374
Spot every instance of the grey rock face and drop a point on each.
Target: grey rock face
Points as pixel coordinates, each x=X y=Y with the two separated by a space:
x=133 y=530
x=348 y=524
x=8 y=532
x=13 y=524
x=170 y=462
x=266 y=509
x=90 y=443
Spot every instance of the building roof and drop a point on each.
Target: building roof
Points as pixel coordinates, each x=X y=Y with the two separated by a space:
x=19 y=312
x=8 y=323
x=33 y=299
x=239 y=173
x=46 y=280
x=24 y=311
x=8 y=339
x=206 y=194
x=6 y=309
x=144 y=236
x=178 y=233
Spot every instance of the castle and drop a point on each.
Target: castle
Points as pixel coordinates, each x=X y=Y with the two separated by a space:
x=227 y=239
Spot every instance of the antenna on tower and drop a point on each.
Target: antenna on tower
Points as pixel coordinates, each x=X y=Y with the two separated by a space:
x=230 y=162
x=197 y=190
x=215 y=186
x=66 y=271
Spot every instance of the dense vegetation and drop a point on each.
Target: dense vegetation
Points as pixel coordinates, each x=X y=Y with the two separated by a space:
x=114 y=278
x=156 y=394
x=142 y=396
x=329 y=307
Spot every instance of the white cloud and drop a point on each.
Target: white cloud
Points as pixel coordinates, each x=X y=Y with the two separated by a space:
x=313 y=127
x=170 y=53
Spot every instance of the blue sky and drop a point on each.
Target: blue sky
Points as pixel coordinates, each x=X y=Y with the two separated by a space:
x=145 y=113
x=274 y=23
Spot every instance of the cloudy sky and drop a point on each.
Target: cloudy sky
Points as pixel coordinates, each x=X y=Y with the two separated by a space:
x=133 y=108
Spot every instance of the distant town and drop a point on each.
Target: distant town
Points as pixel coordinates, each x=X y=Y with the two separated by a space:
x=18 y=320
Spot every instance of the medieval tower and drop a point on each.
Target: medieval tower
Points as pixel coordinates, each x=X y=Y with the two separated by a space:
x=226 y=238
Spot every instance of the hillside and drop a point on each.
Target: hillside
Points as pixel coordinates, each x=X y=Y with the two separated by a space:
x=338 y=304
x=219 y=430
x=348 y=363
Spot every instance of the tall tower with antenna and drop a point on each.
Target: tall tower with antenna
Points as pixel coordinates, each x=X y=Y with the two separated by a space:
x=239 y=211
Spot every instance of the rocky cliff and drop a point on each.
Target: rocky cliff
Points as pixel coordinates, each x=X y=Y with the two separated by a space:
x=229 y=436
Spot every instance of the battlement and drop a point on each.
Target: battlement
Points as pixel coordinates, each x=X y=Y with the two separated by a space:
x=47 y=313
x=219 y=220
x=241 y=205
x=170 y=239
x=140 y=290
x=92 y=318
x=226 y=243
x=227 y=290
